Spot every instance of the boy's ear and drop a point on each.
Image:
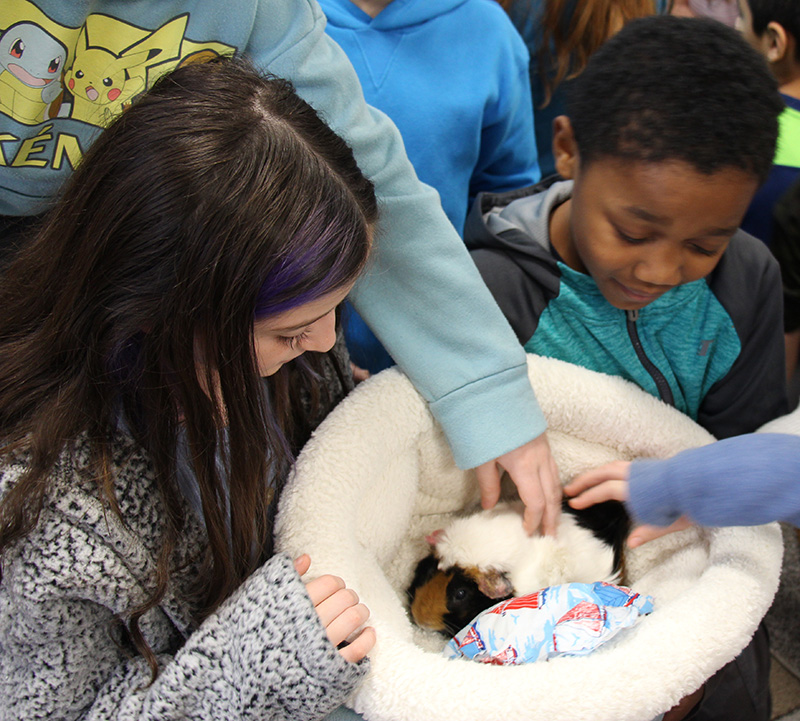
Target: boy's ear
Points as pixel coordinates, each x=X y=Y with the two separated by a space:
x=565 y=149
x=775 y=42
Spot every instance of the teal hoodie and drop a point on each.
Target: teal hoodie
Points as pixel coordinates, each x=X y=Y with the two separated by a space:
x=436 y=318
x=712 y=348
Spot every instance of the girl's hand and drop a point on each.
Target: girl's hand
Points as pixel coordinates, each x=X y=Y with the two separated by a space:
x=341 y=613
x=359 y=374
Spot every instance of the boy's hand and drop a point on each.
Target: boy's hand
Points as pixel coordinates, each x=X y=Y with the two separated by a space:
x=610 y=483
x=340 y=611
x=535 y=474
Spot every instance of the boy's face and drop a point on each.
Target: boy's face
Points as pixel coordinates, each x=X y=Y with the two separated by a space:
x=640 y=229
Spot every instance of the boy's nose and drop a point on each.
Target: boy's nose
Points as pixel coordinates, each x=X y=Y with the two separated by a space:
x=660 y=269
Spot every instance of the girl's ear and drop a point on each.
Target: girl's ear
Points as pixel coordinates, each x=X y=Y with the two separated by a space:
x=565 y=149
x=775 y=42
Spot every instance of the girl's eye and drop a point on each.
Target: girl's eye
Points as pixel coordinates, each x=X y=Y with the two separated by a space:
x=294 y=340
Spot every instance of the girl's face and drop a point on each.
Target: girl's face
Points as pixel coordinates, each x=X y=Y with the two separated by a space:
x=281 y=338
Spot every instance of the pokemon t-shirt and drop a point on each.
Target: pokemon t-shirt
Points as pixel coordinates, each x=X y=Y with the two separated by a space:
x=68 y=68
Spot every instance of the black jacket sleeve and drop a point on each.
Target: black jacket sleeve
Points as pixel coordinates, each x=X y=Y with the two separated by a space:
x=786 y=248
x=747 y=283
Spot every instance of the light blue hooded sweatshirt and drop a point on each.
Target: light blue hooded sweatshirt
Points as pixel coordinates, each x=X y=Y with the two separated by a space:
x=437 y=318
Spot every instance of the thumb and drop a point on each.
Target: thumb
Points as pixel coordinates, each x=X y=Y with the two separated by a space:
x=645 y=533
x=302 y=564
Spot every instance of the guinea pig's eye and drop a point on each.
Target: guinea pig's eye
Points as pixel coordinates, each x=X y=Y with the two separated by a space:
x=460 y=594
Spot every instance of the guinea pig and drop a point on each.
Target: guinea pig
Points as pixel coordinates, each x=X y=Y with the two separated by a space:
x=482 y=559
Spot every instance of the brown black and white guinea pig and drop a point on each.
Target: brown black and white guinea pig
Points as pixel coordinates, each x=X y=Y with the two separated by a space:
x=482 y=559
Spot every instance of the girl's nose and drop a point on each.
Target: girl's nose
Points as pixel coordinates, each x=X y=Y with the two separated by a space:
x=322 y=334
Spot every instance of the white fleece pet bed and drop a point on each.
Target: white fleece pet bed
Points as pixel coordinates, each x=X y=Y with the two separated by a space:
x=377 y=476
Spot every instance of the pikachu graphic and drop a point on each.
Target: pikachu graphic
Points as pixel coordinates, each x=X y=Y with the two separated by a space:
x=102 y=83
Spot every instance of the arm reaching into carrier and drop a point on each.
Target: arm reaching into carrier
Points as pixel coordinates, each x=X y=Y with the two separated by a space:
x=610 y=482
x=462 y=357
x=741 y=481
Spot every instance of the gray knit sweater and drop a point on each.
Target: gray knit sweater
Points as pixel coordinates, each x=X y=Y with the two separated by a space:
x=263 y=654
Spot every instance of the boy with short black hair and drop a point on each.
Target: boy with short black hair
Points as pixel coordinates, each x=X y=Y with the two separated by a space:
x=634 y=265
x=772 y=27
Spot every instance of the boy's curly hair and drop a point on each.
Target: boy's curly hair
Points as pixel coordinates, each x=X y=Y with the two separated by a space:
x=668 y=88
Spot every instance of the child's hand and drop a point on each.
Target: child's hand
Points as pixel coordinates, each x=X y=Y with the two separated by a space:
x=604 y=483
x=645 y=533
x=340 y=611
x=535 y=475
x=359 y=374
x=610 y=483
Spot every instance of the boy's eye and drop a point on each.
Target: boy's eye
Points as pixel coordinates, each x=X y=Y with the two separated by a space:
x=629 y=238
x=704 y=251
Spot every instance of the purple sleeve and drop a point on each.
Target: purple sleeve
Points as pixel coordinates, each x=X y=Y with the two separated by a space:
x=741 y=481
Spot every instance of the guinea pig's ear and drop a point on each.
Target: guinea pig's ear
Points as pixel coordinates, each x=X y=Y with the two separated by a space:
x=435 y=537
x=494 y=585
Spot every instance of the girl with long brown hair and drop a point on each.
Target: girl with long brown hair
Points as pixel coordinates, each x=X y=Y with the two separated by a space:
x=151 y=398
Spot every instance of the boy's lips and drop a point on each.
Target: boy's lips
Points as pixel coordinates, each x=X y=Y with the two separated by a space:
x=638 y=295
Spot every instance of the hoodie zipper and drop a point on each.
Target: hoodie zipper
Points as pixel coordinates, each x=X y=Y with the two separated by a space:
x=664 y=391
